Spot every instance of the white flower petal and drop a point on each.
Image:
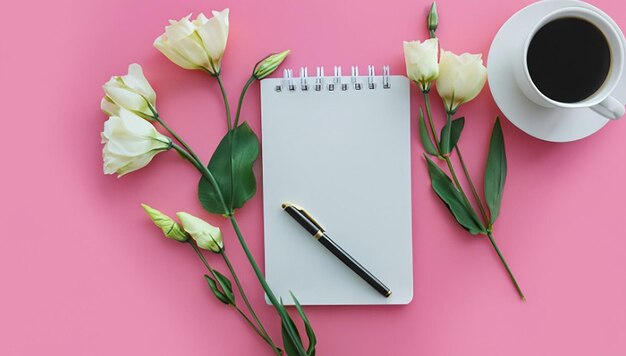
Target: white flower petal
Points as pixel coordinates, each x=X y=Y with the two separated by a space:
x=178 y=30
x=109 y=107
x=127 y=98
x=214 y=34
x=421 y=60
x=136 y=164
x=163 y=45
x=138 y=82
x=192 y=50
x=200 y=20
x=461 y=78
x=222 y=15
x=131 y=92
x=130 y=143
x=195 y=44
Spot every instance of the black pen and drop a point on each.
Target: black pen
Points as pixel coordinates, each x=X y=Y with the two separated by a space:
x=314 y=228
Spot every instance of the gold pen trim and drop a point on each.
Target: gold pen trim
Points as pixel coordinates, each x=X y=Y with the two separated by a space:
x=285 y=205
x=318 y=235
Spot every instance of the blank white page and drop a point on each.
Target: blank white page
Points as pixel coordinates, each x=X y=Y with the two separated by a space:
x=344 y=156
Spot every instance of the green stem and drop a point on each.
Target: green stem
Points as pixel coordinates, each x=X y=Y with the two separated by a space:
x=469 y=179
x=430 y=121
x=193 y=158
x=188 y=156
x=456 y=180
x=226 y=106
x=445 y=157
x=454 y=176
x=508 y=270
x=212 y=271
x=175 y=135
x=266 y=338
x=230 y=137
x=202 y=258
x=445 y=134
x=187 y=152
x=281 y=311
x=207 y=174
x=245 y=299
x=243 y=93
x=471 y=183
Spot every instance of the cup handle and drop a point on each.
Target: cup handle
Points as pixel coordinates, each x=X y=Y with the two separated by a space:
x=610 y=108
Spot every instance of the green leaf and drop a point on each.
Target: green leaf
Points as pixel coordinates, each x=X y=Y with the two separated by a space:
x=495 y=171
x=292 y=342
x=455 y=133
x=444 y=136
x=213 y=285
x=245 y=150
x=426 y=140
x=453 y=198
x=226 y=286
x=307 y=325
x=288 y=343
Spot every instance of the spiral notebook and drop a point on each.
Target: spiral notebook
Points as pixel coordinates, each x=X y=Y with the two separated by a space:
x=339 y=146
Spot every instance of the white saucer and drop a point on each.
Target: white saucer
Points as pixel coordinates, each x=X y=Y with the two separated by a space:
x=556 y=125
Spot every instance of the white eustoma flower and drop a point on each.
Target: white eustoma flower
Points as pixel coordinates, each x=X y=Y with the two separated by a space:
x=196 y=44
x=421 y=61
x=461 y=78
x=206 y=235
x=131 y=92
x=130 y=143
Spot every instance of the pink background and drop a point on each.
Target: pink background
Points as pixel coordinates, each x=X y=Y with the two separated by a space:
x=83 y=272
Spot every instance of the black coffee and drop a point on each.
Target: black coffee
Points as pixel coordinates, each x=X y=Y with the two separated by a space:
x=568 y=59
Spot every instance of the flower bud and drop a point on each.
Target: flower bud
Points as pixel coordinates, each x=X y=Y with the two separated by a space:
x=170 y=228
x=268 y=65
x=432 y=19
x=206 y=235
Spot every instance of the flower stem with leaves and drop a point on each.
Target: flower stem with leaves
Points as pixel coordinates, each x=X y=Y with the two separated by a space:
x=454 y=92
x=211 y=194
x=227 y=181
x=260 y=330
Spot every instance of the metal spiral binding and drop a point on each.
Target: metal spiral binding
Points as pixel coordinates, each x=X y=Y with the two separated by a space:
x=289 y=80
x=319 y=80
x=336 y=81
x=304 y=74
x=386 y=77
x=370 y=77
x=354 y=78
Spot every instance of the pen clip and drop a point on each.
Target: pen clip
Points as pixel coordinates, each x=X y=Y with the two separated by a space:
x=305 y=213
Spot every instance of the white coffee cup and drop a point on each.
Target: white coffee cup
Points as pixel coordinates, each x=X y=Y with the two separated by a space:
x=601 y=101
